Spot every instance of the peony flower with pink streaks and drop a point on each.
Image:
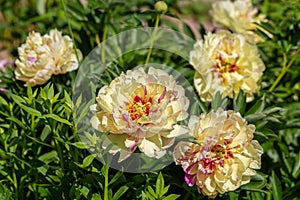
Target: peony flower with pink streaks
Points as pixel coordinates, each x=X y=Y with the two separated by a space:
x=140 y=109
x=223 y=155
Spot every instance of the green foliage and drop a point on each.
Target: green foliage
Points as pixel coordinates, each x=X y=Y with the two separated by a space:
x=160 y=191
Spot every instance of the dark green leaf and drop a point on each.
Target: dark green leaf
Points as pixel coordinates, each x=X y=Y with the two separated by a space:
x=116 y=177
x=257 y=107
x=57 y=118
x=296 y=169
x=239 y=104
x=31 y=110
x=120 y=192
x=276 y=187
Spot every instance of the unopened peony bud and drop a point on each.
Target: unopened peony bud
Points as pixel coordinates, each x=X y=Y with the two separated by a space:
x=161 y=6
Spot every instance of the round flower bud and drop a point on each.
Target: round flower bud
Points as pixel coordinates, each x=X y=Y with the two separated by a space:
x=161 y=6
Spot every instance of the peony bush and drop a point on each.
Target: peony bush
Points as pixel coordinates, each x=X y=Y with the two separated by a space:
x=149 y=100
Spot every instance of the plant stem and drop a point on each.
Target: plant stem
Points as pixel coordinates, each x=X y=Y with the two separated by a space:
x=106 y=168
x=35 y=156
x=32 y=124
x=152 y=40
x=70 y=29
x=104 y=36
x=285 y=68
x=60 y=154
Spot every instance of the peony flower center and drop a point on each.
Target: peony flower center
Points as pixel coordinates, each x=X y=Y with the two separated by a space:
x=224 y=65
x=227 y=67
x=214 y=157
x=139 y=107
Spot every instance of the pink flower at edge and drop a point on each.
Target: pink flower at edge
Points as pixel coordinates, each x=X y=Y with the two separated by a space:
x=3 y=64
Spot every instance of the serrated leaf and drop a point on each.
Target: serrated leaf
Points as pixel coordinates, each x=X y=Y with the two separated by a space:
x=276 y=187
x=120 y=192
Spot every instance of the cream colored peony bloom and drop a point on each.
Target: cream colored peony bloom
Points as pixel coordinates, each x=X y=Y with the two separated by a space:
x=62 y=52
x=226 y=62
x=140 y=109
x=223 y=156
x=42 y=56
x=239 y=16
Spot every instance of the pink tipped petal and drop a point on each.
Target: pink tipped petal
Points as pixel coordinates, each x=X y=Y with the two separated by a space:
x=190 y=179
x=162 y=95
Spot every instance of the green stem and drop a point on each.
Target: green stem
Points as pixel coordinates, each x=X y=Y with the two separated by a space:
x=32 y=124
x=35 y=149
x=285 y=68
x=15 y=182
x=104 y=36
x=60 y=155
x=152 y=40
x=106 y=168
x=70 y=30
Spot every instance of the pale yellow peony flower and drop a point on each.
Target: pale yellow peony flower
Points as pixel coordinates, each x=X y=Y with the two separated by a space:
x=62 y=52
x=225 y=62
x=223 y=155
x=140 y=109
x=42 y=56
x=239 y=16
